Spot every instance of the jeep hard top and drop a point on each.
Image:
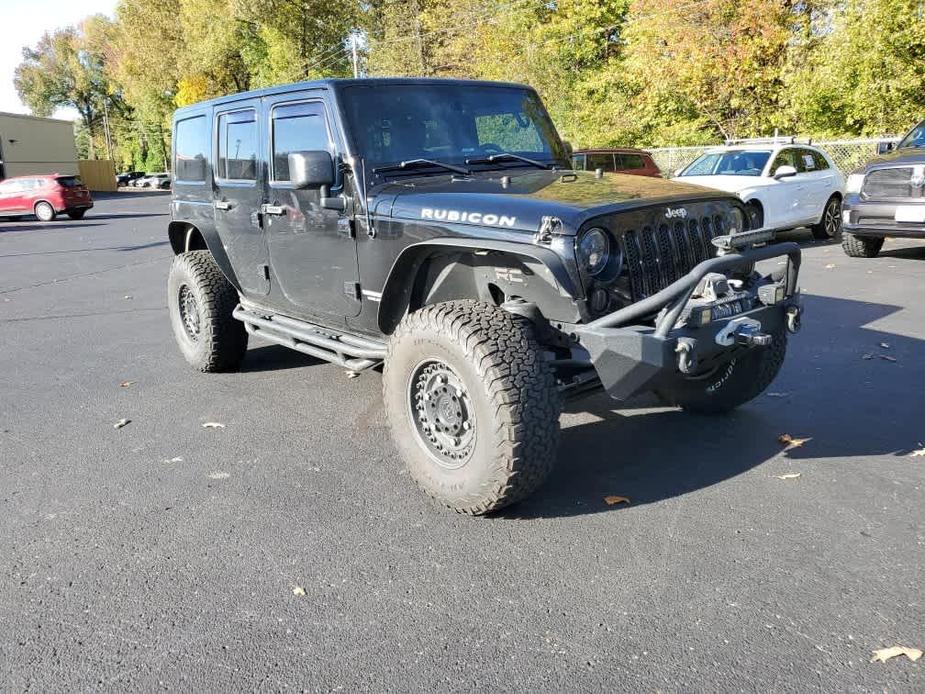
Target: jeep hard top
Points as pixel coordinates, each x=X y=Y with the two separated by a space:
x=435 y=228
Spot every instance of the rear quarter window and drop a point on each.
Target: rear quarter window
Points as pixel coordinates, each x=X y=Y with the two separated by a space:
x=630 y=161
x=191 y=142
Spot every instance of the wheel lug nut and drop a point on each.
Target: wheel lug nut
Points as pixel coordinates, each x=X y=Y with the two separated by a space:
x=467 y=426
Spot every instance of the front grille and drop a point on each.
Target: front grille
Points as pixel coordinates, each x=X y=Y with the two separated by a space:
x=890 y=183
x=659 y=254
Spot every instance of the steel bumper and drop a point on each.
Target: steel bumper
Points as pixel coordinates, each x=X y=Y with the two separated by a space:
x=631 y=358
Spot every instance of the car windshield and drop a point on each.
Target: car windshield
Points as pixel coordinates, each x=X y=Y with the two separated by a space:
x=740 y=162
x=450 y=123
x=915 y=138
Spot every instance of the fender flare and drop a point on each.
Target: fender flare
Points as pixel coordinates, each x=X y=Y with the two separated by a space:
x=180 y=232
x=399 y=284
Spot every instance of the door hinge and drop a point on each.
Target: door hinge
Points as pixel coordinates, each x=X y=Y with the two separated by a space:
x=352 y=289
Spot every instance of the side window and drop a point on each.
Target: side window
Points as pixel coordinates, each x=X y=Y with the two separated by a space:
x=237 y=146
x=629 y=161
x=786 y=157
x=807 y=160
x=297 y=128
x=821 y=162
x=191 y=142
x=600 y=160
x=578 y=162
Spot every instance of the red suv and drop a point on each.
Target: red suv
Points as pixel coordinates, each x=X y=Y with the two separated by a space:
x=45 y=196
x=623 y=160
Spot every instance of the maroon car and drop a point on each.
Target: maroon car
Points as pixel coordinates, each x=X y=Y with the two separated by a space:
x=620 y=160
x=45 y=196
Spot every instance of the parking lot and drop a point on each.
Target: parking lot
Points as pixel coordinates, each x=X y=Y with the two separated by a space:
x=289 y=550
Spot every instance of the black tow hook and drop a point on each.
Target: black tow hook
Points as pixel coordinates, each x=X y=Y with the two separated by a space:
x=752 y=338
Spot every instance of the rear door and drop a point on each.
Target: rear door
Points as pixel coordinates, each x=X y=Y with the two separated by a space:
x=600 y=160
x=312 y=250
x=239 y=178
x=821 y=182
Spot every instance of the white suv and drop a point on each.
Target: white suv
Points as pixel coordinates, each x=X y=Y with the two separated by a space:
x=785 y=184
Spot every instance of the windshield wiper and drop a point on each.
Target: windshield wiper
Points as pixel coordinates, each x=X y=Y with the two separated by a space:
x=416 y=163
x=491 y=159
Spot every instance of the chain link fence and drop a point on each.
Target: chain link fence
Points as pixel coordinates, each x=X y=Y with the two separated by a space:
x=847 y=154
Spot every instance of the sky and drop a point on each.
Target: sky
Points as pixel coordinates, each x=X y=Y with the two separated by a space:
x=22 y=23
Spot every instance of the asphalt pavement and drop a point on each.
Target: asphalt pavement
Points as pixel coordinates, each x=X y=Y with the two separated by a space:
x=289 y=550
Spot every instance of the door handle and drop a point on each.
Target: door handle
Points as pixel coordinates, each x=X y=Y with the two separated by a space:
x=222 y=205
x=273 y=209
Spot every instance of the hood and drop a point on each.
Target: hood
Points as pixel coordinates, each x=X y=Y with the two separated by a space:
x=730 y=184
x=516 y=199
x=907 y=155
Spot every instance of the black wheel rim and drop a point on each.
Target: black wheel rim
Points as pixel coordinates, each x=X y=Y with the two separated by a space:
x=832 y=219
x=441 y=409
x=190 y=315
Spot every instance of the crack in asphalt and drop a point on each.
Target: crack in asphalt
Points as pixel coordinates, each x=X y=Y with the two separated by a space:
x=81 y=275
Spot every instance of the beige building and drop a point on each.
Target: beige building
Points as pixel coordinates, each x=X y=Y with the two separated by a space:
x=30 y=145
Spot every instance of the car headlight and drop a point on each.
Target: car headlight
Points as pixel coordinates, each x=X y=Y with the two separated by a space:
x=594 y=250
x=854 y=183
x=737 y=221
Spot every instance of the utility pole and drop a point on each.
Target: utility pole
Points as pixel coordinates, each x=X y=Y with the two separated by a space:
x=106 y=132
x=353 y=51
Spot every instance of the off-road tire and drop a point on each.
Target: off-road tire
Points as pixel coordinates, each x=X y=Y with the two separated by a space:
x=76 y=214
x=221 y=341
x=829 y=226
x=861 y=246
x=733 y=384
x=511 y=389
x=44 y=211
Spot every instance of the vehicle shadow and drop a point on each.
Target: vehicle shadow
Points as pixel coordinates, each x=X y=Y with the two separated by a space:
x=46 y=226
x=916 y=252
x=276 y=358
x=121 y=249
x=849 y=387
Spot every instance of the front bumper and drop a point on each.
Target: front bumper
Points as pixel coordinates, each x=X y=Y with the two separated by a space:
x=872 y=218
x=630 y=358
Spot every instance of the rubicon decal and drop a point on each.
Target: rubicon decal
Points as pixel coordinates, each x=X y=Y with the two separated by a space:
x=494 y=220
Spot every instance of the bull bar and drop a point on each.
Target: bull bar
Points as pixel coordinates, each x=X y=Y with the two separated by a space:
x=630 y=358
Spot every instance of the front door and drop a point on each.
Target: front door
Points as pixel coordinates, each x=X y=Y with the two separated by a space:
x=238 y=194
x=312 y=249
x=784 y=196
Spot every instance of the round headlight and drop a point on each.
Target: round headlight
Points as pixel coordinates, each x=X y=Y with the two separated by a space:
x=594 y=250
x=737 y=221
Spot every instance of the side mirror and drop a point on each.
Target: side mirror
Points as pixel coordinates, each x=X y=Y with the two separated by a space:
x=785 y=171
x=312 y=169
x=885 y=146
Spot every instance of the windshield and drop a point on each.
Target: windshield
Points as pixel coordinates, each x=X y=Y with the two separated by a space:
x=740 y=162
x=915 y=138
x=450 y=124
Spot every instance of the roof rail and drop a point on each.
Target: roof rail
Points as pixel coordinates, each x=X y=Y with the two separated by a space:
x=776 y=140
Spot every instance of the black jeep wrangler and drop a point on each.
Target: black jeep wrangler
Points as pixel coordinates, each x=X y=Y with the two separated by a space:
x=886 y=197
x=434 y=228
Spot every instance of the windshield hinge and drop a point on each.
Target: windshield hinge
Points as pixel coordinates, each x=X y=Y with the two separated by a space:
x=549 y=227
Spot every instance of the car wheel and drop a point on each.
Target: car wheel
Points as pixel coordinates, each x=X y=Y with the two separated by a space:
x=829 y=226
x=861 y=246
x=472 y=405
x=755 y=215
x=200 y=301
x=732 y=384
x=45 y=212
x=76 y=214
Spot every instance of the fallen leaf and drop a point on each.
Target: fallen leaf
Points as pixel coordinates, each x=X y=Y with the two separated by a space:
x=791 y=442
x=213 y=425
x=885 y=345
x=298 y=590
x=126 y=384
x=884 y=654
x=219 y=475
x=121 y=423
x=919 y=453
x=128 y=296
x=886 y=357
x=789 y=476
x=778 y=395
x=869 y=355
x=612 y=500
x=178 y=459
x=830 y=266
